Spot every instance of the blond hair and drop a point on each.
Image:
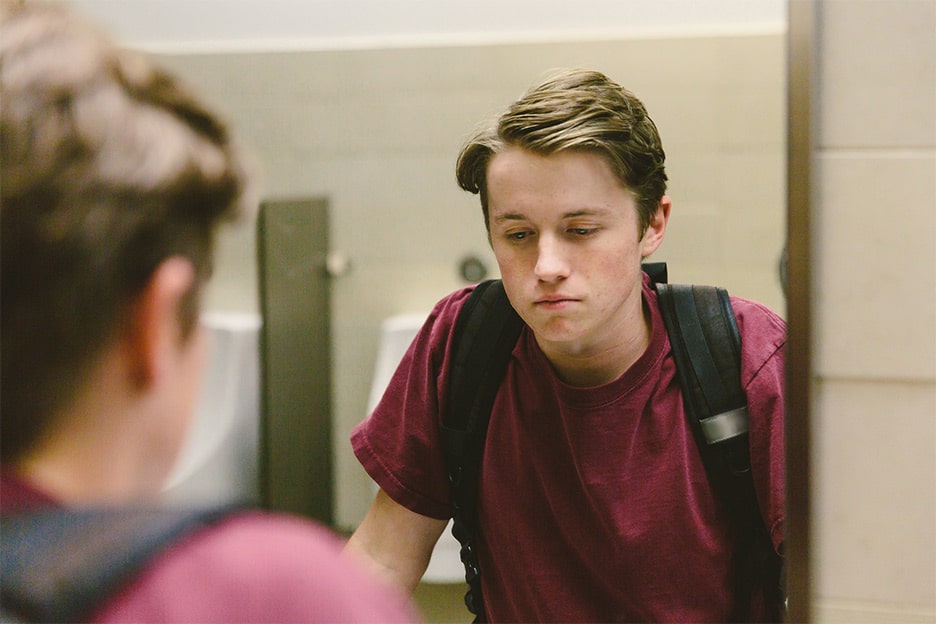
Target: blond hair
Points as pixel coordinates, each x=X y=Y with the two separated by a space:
x=575 y=110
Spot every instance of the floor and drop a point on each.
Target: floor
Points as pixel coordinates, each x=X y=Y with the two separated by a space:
x=442 y=603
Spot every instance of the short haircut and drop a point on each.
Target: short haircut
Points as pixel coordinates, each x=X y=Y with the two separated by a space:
x=109 y=167
x=575 y=110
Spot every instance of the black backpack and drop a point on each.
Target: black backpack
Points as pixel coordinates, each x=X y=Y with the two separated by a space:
x=707 y=348
x=60 y=565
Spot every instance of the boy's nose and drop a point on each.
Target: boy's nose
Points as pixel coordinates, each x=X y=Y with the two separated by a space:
x=551 y=263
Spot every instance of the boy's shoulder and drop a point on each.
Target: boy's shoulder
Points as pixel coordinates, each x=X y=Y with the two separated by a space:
x=756 y=319
x=256 y=566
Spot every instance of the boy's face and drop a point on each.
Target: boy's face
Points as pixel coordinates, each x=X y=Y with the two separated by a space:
x=565 y=234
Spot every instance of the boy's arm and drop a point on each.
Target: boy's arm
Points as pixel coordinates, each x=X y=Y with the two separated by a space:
x=395 y=542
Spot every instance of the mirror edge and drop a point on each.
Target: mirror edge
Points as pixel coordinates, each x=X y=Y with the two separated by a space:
x=801 y=76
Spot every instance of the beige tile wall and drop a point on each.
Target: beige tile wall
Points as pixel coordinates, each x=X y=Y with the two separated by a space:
x=875 y=313
x=377 y=133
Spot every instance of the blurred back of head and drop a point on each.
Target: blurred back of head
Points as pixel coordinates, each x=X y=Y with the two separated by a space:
x=109 y=167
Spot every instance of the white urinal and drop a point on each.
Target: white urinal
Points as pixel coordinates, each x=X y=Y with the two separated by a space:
x=396 y=334
x=219 y=460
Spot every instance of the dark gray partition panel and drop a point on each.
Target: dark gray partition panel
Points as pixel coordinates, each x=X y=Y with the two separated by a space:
x=296 y=462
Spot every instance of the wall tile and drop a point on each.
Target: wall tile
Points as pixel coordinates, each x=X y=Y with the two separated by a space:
x=878 y=73
x=875 y=300
x=875 y=492
x=864 y=612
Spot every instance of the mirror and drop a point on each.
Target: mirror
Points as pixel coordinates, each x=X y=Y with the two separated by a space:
x=375 y=132
x=370 y=118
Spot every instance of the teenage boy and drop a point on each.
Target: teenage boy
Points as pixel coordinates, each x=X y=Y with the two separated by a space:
x=594 y=505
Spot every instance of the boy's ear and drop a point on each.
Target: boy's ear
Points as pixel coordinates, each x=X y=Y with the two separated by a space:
x=653 y=236
x=154 y=331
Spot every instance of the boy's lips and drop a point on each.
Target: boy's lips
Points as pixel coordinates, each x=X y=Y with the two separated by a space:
x=554 y=299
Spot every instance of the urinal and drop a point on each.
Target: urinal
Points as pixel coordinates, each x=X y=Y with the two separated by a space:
x=396 y=334
x=218 y=462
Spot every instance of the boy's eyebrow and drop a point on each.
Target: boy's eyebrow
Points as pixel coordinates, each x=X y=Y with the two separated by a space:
x=585 y=212
x=509 y=216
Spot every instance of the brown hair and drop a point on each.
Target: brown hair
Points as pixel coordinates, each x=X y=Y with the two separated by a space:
x=109 y=166
x=575 y=110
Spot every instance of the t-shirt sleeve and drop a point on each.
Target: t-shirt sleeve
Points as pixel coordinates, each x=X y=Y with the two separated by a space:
x=399 y=444
x=763 y=341
x=258 y=567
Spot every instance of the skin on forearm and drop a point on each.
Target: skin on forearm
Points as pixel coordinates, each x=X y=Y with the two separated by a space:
x=394 y=542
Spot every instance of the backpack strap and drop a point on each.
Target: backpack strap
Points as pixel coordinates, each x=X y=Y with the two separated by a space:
x=484 y=336
x=59 y=565
x=707 y=348
x=706 y=345
x=656 y=271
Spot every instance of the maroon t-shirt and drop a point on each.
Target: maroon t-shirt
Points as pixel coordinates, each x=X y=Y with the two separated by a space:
x=252 y=567
x=594 y=502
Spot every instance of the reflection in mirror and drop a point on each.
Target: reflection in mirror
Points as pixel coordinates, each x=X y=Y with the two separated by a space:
x=374 y=130
x=376 y=133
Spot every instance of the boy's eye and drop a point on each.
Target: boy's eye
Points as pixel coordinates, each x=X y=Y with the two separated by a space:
x=582 y=231
x=517 y=236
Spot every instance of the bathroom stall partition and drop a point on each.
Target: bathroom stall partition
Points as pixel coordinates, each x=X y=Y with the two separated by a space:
x=295 y=347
